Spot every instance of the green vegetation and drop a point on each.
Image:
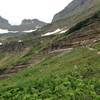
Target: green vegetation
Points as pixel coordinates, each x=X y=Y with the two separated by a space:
x=61 y=76
x=54 y=88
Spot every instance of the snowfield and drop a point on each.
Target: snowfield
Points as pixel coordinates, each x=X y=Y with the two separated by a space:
x=1 y=43
x=4 y=31
x=57 y=31
x=63 y=31
x=50 y=33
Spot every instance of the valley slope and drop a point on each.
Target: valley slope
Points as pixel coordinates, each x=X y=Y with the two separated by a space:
x=63 y=66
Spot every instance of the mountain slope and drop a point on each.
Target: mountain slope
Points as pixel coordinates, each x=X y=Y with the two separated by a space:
x=4 y=24
x=57 y=67
x=69 y=75
x=27 y=25
x=78 y=10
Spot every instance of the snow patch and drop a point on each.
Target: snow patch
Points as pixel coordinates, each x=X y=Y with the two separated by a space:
x=13 y=31
x=50 y=33
x=58 y=31
x=4 y=30
x=27 y=31
x=1 y=43
x=64 y=31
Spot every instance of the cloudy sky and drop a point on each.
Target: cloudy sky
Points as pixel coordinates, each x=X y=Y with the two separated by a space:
x=16 y=10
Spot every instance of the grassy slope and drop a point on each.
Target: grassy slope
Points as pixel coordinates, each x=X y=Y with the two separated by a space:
x=60 y=76
x=7 y=59
x=59 y=66
x=32 y=49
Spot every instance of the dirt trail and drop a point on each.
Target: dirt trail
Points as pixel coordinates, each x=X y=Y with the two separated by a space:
x=38 y=58
x=8 y=71
x=61 y=50
x=14 y=69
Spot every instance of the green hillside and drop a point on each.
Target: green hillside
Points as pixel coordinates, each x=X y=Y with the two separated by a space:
x=73 y=75
x=45 y=68
x=55 y=67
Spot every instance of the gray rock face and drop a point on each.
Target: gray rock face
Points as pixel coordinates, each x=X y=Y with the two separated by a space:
x=4 y=24
x=27 y=24
x=75 y=7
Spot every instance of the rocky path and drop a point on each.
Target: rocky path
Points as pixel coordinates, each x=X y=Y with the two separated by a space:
x=37 y=59
x=61 y=50
x=8 y=71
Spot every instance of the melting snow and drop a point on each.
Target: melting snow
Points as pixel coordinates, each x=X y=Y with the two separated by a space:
x=50 y=33
x=59 y=31
x=64 y=31
x=1 y=43
x=13 y=31
x=4 y=31
x=27 y=31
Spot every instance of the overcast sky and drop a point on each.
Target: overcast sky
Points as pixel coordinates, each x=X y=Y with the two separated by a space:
x=16 y=10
